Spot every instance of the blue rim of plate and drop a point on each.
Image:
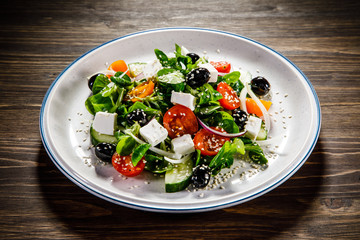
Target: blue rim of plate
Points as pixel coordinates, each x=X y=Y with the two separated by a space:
x=182 y=210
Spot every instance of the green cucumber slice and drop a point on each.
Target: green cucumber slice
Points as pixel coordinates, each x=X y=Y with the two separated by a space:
x=136 y=68
x=262 y=135
x=97 y=137
x=178 y=178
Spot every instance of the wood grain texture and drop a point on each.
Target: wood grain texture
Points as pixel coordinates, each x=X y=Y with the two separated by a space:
x=38 y=39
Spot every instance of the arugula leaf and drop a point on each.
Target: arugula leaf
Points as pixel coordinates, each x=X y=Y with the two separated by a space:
x=157 y=164
x=164 y=60
x=97 y=103
x=233 y=80
x=139 y=153
x=100 y=82
x=122 y=80
x=125 y=145
x=225 y=157
x=207 y=109
x=148 y=110
x=198 y=157
x=256 y=153
x=221 y=119
x=179 y=62
x=122 y=113
x=207 y=93
x=238 y=146
x=232 y=77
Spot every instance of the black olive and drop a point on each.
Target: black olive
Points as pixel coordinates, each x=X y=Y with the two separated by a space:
x=260 y=86
x=194 y=57
x=201 y=176
x=104 y=151
x=137 y=115
x=240 y=118
x=92 y=80
x=197 y=77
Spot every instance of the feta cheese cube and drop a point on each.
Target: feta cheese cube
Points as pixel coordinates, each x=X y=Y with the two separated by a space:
x=213 y=72
x=151 y=69
x=252 y=127
x=153 y=132
x=185 y=99
x=105 y=123
x=183 y=145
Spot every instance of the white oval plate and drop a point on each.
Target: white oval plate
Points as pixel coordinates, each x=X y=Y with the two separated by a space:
x=295 y=122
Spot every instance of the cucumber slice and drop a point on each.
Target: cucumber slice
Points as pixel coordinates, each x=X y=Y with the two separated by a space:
x=262 y=135
x=97 y=137
x=179 y=177
x=136 y=68
x=174 y=77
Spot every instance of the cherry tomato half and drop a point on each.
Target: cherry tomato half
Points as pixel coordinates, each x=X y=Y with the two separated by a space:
x=180 y=120
x=230 y=100
x=252 y=107
x=222 y=66
x=141 y=91
x=123 y=165
x=208 y=143
x=119 y=66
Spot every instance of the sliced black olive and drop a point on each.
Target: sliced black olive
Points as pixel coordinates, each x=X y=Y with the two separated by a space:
x=260 y=86
x=137 y=115
x=240 y=118
x=92 y=80
x=194 y=57
x=197 y=77
x=201 y=176
x=104 y=151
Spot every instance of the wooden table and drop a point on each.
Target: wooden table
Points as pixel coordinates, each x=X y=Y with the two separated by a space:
x=38 y=39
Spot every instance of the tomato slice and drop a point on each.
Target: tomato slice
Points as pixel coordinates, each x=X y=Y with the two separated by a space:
x=208 y=143
x=180 y=120
x=123 y=165
x=141 y=91
x=222 y=66
x=252 y=107
x=230 y=100
x=119 y=66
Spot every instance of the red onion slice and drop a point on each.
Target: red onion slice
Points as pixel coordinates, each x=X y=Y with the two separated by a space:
x=229 y=135
x=139 y=77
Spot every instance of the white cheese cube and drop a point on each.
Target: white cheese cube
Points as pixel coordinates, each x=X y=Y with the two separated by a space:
x=151 y=69
x=153 y=132
x=105 y=123
x=183 y=145
x=213 y=72
x=252 y=127
x=185 y=99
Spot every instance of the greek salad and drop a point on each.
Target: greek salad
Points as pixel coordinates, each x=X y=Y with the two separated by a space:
x=181 y=116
